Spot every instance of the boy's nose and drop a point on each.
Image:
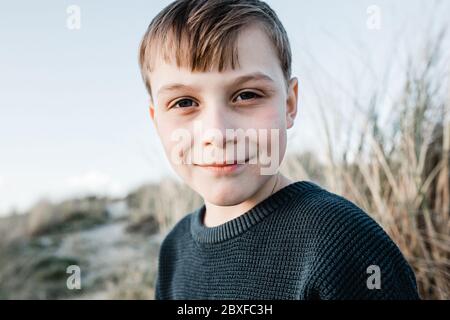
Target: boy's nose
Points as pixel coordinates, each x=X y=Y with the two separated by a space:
x=215 y=123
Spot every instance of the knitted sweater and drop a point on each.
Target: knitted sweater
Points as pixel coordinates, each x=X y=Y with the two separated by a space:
x=302 y=242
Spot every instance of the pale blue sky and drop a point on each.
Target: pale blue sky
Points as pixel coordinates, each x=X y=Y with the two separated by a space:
x=73 y=109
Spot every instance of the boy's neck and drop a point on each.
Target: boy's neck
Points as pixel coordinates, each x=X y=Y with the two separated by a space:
x=217 y=215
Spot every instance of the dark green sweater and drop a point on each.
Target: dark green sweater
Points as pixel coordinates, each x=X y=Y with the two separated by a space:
x=302 y=242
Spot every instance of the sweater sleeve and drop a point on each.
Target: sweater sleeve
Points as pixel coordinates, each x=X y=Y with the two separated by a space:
x=160 y=273
x=358 y=260
x=167 y=256
x=157 y=292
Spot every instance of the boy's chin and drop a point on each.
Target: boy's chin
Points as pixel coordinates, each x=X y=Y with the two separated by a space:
x=228 y=193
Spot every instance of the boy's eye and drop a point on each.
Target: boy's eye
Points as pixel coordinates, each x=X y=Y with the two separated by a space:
x=184 y=103
x=247 y=95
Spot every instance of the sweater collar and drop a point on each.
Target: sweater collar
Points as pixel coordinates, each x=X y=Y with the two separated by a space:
x=239 y=225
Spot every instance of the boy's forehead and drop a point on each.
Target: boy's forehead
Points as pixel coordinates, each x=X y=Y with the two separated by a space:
x=256 y=55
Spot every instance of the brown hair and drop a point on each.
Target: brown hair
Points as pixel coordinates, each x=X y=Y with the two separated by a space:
x=203 y=33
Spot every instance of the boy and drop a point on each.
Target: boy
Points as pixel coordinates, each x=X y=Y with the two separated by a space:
x=222 y=98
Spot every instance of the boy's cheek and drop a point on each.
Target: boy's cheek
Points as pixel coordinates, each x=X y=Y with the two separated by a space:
x=272 y=117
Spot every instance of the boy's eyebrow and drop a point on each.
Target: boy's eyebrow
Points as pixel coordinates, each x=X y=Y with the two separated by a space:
x=238 y=80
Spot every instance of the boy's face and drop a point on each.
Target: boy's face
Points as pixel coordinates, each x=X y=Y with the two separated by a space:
x=209 y=103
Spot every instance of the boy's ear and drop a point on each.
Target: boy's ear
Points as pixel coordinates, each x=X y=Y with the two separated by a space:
x=152 y=111
x=291 y=102
x=151 y=108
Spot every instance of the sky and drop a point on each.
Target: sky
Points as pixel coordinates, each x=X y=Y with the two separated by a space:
x=74 y=111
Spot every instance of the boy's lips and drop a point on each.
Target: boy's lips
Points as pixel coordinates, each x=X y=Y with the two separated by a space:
x=224 y=167
x=223 y=164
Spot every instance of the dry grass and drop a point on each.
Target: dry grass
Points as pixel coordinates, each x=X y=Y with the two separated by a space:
x=167 y=202
x=399 y=173
x=45 y=217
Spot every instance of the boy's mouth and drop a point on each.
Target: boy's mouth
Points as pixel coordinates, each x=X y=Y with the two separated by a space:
x=223 y=164
x=224 y=167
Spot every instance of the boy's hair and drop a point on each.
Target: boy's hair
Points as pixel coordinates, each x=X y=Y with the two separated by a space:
x=203 y=35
